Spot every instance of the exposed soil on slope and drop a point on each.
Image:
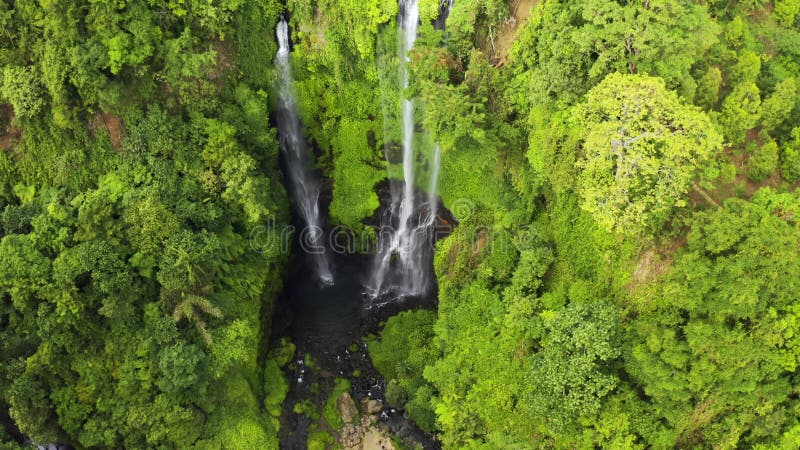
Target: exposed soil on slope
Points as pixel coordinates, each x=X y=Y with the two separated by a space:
x=112 y=125
x=500 y=46
x=9 y=135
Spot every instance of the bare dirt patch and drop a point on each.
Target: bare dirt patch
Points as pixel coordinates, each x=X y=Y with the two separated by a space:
x=223 y=63
x=112 y=125
x=741 y=162
x=9 y=135
x=500 y=45
x=481 y=240
x=314 y=33
x=650 y=266
x=654 y=262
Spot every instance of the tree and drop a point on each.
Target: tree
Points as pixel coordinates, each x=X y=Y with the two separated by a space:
x=24 y=273
x=648 y=38
x=641 y=151
x=715 y=340
x=763 y=161
x=570 y=46
x=776 y=107
x=740 y=112
x=790 y=157
x=746 y=69
x=571 y=374
x=179 y=365
x=190 y=308
x=786 y=11
x=707 y=94
x=31 y=408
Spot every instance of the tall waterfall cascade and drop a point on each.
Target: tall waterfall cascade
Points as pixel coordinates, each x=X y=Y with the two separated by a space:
x=405 y=251
x=303 y=185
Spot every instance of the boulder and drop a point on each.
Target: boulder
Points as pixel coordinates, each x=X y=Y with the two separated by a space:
x=371 y=406
x=347 y=407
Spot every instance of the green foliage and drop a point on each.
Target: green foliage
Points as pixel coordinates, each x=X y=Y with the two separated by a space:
x=131 y=300
x=283 y=352
x=307 y=408
x=571 y=46
x=642 y=150
x=330 y=411
x=571 y=374
x=275 y=384
x=179 y=364
x=534 y=346
x=276 y=387
x=355 y=174
x=401 y=354
x=467 y=17
x=790 y=157
x=786 y=11
x=779 y=104
x=129 y=291
x=713 y=340
x=20 y=87
x=336 y=82
x=740 y=111
x=763 y=162
x=254 y=25
x=707 y=94
x=746 y=69
x=319 y=440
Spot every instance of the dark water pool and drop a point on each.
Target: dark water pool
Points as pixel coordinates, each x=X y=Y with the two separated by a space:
x=329 y=323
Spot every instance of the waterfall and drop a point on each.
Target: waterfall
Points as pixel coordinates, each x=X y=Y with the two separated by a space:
x=445 y=6
x=304 y=187
x=403 y=257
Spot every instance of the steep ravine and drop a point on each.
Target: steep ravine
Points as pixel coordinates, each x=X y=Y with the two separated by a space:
x=327 y=324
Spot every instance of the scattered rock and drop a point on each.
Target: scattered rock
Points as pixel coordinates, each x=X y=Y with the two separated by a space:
x=368 y=433
x=350 y=436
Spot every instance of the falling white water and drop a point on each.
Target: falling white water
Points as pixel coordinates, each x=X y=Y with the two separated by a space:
x=303 y=185
x=445 y=6
x=403 y=255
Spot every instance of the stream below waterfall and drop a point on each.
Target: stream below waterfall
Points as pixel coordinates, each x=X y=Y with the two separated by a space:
x=328 y=323
x=327 y=314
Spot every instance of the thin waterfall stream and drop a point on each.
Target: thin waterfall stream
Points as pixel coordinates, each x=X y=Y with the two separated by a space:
x=402 y=264
x=303 y=184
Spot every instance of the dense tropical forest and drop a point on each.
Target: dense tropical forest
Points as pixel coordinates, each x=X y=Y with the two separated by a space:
x=620 y=261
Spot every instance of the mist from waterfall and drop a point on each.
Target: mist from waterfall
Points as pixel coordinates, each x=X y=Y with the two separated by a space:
x=304 y=186
x=405 y=251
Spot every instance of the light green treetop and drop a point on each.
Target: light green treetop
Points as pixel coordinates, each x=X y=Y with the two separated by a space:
x=641 y=151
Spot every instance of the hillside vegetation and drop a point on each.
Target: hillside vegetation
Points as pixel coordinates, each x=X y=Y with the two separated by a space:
x=625 y=270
